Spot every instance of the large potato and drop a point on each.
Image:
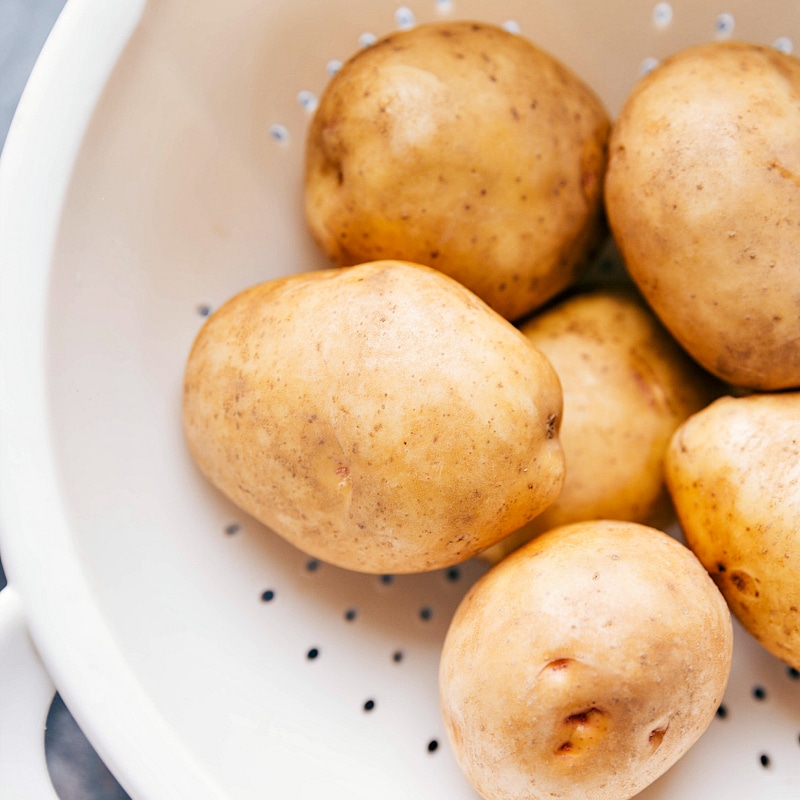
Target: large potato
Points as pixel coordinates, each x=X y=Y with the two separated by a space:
x=627 y=386
x=379 y=417
x=464 y=147
x=734 y=473
x=703 y=198
x=583 y=665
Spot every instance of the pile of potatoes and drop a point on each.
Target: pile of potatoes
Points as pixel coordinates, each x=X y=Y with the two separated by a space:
x=456 y=386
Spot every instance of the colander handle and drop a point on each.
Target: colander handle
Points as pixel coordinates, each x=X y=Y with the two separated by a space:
x=26 y=693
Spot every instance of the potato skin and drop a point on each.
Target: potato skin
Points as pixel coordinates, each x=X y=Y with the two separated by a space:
x=627 y=386
x=583 y=665
x=734 y=473
x=703 y=198
x=464 y=147
x=379 y=417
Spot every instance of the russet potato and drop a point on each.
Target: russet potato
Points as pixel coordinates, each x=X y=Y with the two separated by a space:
x=627 y=386
x=583 y=665
x=734 y=473
x=464 y=147
x=703 y=198
x=379 y=417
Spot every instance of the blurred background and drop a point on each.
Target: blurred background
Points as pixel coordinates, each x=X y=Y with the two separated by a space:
x=76 y=771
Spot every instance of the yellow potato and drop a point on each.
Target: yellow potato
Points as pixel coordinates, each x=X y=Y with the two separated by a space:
x=703 y=198
x=734 y=473
x=464 y=147
x=379 y=417
x=627 y=386
x=583 y=665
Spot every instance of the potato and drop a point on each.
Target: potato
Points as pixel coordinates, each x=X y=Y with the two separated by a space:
x=734 y=473
x=464 y=147
x=379 y=417
x=583 y=665
x=627 y=386
x=703 y=199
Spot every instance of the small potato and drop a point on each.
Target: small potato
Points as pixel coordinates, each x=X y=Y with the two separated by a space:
x=464 y=147
x=584 y=665
x=379 y=417
x=734 y=473
x=627 y=386
x=703 y=198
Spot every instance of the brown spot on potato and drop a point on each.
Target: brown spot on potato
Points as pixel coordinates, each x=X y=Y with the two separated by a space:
x=583 y=717
x=557 y=665
x=657 y=737
x=744 y=582
x=586 y=729
x=784 y=171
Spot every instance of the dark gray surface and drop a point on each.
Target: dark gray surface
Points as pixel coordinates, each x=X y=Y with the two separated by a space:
x=24 y=26
x=76 y=771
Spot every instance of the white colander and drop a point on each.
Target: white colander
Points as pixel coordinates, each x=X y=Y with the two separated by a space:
x=152 y=171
